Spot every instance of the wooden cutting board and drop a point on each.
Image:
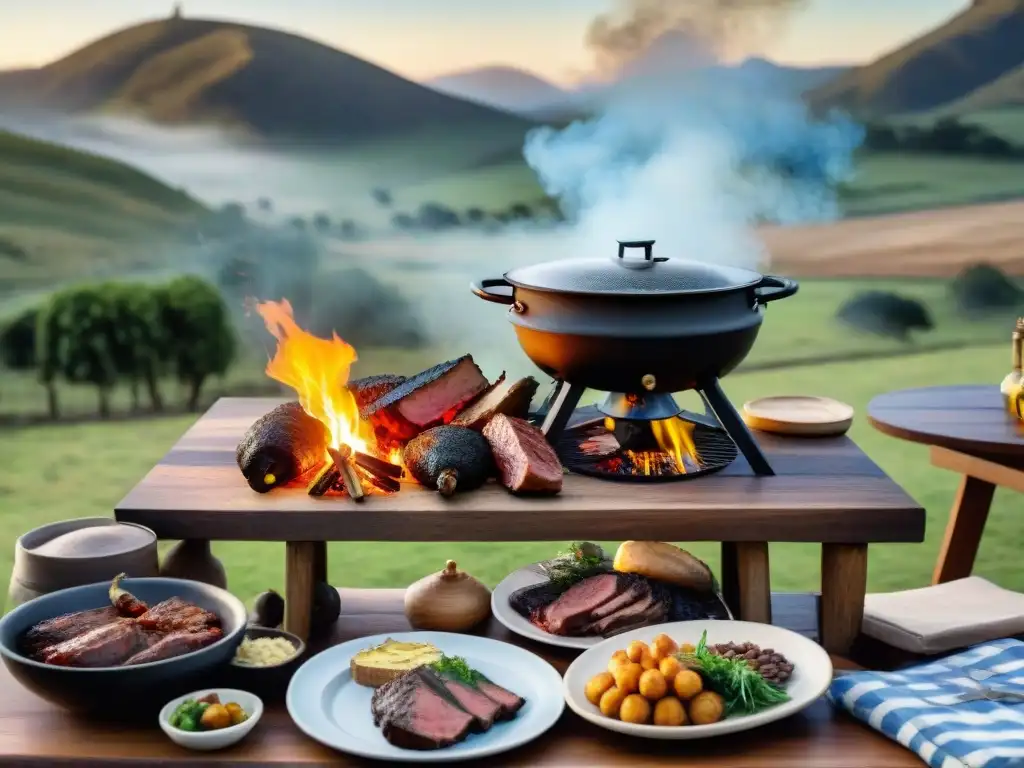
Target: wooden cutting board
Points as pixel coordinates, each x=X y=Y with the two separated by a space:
x=798 y=415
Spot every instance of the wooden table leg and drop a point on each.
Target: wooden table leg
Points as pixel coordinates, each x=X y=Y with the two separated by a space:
x=753 y=578
x=963 y=531
x=729 y=577
x=844 y=581
x=299 y=577
x=319 y=561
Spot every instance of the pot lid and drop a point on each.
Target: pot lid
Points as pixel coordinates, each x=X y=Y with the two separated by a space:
x=628 y=274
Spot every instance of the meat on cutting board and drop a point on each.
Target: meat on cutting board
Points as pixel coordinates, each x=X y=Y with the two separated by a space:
x=526 y=461
x=509 y=398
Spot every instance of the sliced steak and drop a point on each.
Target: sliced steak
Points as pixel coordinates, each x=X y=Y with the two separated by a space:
x=428 y=398
x=526 y=600
x=526 y=461
x=573 y=608
x=652 y=609
x=509 y=398
x=413 y=713
x=510 y=702
x=483 y=709
x=62 y=628
x=637 y=589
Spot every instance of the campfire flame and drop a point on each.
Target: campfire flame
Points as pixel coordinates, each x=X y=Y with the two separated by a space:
x=318 y=370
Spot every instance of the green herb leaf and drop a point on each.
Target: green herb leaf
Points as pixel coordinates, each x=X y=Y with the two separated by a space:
x=456 y=667
x=575 y=563
x=742 y=687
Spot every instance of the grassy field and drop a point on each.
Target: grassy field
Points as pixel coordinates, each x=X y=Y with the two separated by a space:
x=62 y=471
x=793 y=331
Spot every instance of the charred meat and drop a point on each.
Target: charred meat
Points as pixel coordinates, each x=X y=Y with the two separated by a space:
x=175 y=644
x=526 y=461
x=413 y=712
x=449 y=458
x=63 y=628
x=280 y=446
x=508 y=398
x=572 y=609
x=106 y=646
x=177 y=615
x=371 y=388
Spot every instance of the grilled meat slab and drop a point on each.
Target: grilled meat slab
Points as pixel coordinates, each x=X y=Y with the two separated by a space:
x=175 y=644
x=176 y=615
x=413 y=713
x=572 y=609
x=106 y=646
x=63 y=628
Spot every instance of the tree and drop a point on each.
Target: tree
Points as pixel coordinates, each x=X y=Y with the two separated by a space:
x=434 y=216
x=322 y=223
x=475 y=215
x=265 y=204
x=382 y=196
x=297 y=222
x=139 y=343
x=18 y=341
x=75 y=342
x=403 y=221
x=521 y=212
x=349 y=230
x=197 y=324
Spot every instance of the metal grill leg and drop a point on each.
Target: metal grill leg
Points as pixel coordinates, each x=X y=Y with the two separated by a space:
x=737 y=429
x=566 y=398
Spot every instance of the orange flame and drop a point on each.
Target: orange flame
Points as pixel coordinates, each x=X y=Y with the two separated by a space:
x=318 y=370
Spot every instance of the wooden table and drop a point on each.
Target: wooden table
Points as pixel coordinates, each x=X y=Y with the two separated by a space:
x=33 y=732
x=971 y=432
x=825 y=491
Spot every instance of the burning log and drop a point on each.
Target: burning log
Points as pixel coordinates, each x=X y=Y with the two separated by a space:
x=375 y=466
x=342 y=459
x=326 y=479
x=382 y=483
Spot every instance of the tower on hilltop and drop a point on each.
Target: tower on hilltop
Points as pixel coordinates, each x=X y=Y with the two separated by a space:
x=176 y=13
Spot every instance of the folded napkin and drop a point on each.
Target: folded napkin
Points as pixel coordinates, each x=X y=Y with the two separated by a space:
x=920 y=706
x=944 y=617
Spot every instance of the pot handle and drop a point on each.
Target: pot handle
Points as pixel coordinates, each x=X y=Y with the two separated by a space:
x=480 y=288
x=772 y=288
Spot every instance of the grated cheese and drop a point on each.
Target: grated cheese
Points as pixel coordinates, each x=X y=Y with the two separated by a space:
x=264 y=652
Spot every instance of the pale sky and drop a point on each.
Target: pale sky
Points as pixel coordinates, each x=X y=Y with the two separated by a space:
x=422 y=38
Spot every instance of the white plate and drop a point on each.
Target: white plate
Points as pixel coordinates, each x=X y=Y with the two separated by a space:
x=503 y=612
x=328 y=706
x=812 y=675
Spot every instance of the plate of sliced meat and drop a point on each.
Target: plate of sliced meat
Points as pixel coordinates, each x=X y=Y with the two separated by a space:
x=427 y=697
x=580 y=597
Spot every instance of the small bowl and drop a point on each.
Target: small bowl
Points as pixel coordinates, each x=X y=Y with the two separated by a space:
x=205 y=741
x=270 y=682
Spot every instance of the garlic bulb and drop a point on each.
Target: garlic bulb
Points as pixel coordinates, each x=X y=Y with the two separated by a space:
x=448 y=601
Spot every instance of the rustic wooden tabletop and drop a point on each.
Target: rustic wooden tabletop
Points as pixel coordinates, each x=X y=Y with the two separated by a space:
x=33 y=732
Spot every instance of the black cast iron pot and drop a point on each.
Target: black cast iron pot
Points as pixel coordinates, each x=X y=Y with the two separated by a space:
x=635 y=324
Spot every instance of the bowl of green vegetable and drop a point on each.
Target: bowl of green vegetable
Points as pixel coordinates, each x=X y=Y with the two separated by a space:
x=211 y=719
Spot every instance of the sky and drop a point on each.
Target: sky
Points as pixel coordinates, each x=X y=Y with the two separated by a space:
x=423 y=38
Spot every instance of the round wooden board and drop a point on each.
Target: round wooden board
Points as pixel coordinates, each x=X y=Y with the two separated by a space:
x=798 y=415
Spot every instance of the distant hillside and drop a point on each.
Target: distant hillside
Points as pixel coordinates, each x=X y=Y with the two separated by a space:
x=267 y=82
x=67 y=213
x=1006 y=91
x=777 y=78
x=508 y=88
x=969 y=51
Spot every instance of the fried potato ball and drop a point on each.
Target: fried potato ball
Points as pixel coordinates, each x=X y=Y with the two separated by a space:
x=635 y=709
x=635 y=650
x=611 y=702
x=597 y=685
x=670 y=711
x=619 y=657
x=687 y=684
x=670 y=667
x=663 y=646
x=653 y=685
x=627 y=677
x=706 y=708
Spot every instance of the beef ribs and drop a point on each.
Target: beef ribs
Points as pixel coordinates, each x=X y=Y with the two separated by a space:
x=572 y=609
x=426 y=399
x=413 y=712
x=177 y=615
x=175 y=644
x=105 y=646
x=510 y=399
x=63 y=628
x=526 y=461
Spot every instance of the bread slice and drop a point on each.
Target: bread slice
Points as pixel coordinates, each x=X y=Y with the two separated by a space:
x=391 y=659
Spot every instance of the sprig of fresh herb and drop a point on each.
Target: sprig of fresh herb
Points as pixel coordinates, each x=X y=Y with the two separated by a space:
x=741 y=686
x=457 y=668
x=575 y=563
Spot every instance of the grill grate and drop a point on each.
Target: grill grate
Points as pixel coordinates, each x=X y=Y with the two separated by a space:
x=590 y=449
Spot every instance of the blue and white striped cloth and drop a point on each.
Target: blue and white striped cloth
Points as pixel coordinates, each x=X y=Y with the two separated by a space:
x=918 y=707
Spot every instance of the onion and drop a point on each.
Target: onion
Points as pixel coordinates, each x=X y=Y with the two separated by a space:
x=447 y=601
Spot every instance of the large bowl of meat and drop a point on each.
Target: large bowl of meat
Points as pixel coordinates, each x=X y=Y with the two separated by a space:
x=122 y=649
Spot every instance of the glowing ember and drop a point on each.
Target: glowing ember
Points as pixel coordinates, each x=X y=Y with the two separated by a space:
x=318 y=370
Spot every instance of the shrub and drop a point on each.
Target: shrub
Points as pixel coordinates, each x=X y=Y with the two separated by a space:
x=983 y=288
x=382 y=196
x=139 y=343
x=435 y=217
x=886 y=314
x=322 y=223
x=403 y=221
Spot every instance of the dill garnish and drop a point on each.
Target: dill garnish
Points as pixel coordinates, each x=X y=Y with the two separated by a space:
x=575 y=563
x=456 y=668
x=742 y=687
